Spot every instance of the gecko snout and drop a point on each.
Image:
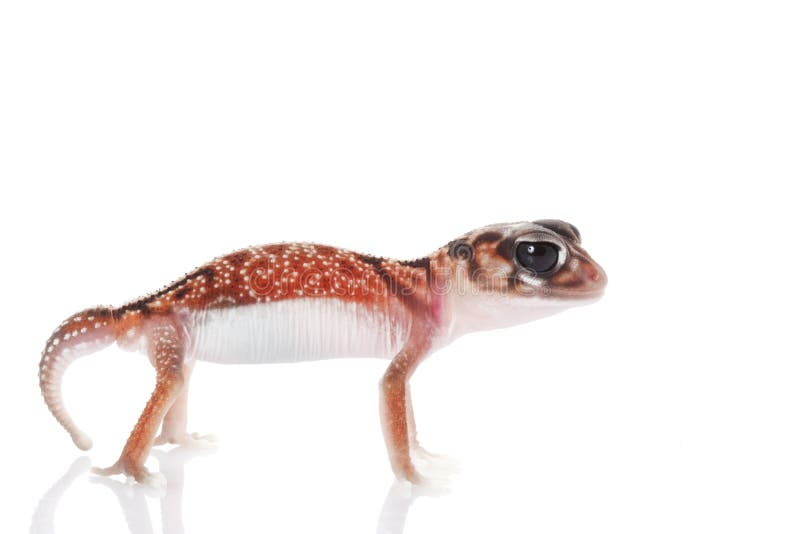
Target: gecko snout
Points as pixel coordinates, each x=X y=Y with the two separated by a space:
x=580 y=277
x=593 y=273
x=593 y=278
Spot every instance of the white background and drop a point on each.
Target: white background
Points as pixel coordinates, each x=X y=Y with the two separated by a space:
x=138 y=140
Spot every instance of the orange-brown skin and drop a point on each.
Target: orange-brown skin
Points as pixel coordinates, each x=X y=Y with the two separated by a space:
x=166 y=348
x=396 y=412
x=427 y=291
x=278 y=272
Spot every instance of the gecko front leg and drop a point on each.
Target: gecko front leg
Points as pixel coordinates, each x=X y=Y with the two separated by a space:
x=166 y=349
x=397 y=417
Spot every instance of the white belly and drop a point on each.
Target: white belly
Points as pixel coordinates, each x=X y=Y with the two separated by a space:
x=296 y=330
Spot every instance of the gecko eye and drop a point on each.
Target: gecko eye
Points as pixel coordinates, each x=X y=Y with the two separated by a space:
x=541 y=257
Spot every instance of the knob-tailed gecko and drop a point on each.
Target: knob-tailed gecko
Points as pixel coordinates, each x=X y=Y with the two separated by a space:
x=301 y=301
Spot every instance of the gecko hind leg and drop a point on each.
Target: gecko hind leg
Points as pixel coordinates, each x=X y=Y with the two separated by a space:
x=166 y=349
x=173 y=428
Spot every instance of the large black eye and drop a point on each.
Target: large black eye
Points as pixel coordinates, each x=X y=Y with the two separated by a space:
x=540 y=257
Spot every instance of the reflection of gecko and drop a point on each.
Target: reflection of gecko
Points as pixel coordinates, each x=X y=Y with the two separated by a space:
x=297 y=302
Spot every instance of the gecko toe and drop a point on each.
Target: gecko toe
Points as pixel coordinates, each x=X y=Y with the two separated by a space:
x=199 y=441
x=115 y=469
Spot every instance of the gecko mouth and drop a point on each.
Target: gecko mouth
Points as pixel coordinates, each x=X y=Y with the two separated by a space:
x=535 y=286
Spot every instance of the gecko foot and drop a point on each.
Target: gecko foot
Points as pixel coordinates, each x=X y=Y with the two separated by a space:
x=154 y=481
x=436 y=468
x=193 y=440
x=425 y=484
x=423 y=476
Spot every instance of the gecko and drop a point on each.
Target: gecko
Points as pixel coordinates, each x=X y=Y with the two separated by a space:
x=291 y=302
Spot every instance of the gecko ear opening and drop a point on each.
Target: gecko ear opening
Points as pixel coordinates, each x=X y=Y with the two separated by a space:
x=461 y=250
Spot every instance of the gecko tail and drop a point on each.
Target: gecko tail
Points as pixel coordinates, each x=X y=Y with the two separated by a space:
x=81 y=334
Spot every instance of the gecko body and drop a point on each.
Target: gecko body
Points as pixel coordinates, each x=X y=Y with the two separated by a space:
x=301 y=301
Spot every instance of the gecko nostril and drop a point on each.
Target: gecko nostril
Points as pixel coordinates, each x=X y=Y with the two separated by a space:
x=591 y=272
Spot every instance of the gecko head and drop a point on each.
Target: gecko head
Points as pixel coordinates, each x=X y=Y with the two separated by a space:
x=523 y=271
